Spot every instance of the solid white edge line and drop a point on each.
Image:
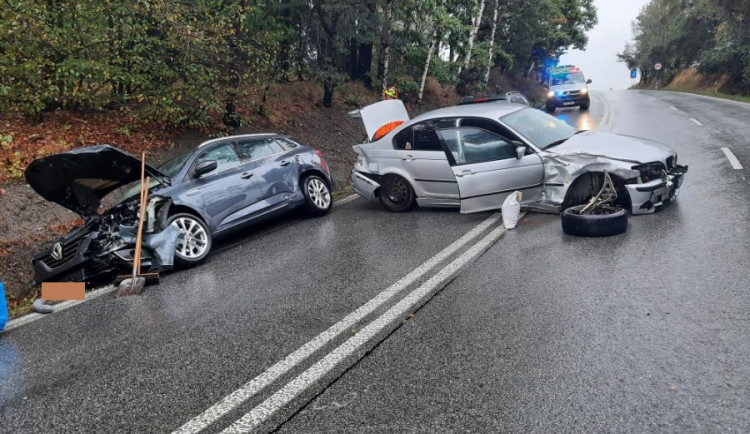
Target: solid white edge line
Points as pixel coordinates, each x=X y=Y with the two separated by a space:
x=732 y=158
x=717 y=99
x=674 y=108
x=260 y=382
x=59 y=307
x=696 y=122
x=399 y=311
x=607 y=119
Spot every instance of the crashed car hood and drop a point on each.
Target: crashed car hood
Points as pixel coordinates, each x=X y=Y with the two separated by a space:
x=615 y=146
x=80 y=178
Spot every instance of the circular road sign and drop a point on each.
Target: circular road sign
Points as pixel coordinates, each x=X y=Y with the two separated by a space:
x=657 y=66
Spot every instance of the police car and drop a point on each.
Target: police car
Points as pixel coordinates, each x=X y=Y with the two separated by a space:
x=567 y=88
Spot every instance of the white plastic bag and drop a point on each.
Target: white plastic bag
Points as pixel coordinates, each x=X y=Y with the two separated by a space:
x=512 y=209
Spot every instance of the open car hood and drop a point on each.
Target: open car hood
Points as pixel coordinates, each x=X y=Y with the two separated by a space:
x=615 y=146
x=80 y=178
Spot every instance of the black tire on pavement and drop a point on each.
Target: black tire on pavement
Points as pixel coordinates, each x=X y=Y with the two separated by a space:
x=317 y=195
x=612 y=220
x=550 y=108
x=195 y=240
x=396 y=194
x=585 y=106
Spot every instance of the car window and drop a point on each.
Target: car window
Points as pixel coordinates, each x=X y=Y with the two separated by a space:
x=538 y=128
x=422 y=136
x=224 y=156
x=276 y=146
x=250 y=150
x=288 y=144
x=471 y=145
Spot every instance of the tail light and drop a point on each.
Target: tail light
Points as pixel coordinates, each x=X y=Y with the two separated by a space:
x=323 y=162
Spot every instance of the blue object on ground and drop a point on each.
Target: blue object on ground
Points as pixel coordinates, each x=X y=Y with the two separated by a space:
x=3 y=307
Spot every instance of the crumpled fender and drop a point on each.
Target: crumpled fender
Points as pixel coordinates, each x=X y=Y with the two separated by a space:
x=562 y=170
x=162 y=244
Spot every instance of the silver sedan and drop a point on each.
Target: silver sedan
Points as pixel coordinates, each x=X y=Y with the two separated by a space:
x=474 y=156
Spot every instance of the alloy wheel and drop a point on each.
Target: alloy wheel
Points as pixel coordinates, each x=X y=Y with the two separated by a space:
x=318 y=193
x=193 y=241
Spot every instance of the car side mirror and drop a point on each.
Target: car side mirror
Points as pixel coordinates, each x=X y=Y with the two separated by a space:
x=588 y=81
x=205 y=166
x=520 y=152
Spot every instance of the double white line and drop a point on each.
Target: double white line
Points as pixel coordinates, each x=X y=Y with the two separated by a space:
x=332 y=360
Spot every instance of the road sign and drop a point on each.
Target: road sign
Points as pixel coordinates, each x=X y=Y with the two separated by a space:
x=633 y=73
x=658 y=66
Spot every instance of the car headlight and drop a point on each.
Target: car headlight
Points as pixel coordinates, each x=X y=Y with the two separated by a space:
x=550 y=94
x=584 y=91
x=650 y=171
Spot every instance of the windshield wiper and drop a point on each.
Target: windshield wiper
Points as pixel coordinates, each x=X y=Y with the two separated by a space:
x=555 y=143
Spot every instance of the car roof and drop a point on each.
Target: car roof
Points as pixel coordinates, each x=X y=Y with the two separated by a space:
x=490 y=111
x=239 y=136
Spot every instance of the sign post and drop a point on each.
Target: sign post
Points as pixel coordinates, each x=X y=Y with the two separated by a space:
x=657 y=67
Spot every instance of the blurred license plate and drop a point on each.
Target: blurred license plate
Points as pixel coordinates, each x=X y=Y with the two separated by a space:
x=568 y=103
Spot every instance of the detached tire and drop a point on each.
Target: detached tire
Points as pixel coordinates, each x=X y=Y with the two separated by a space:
x=612 y=221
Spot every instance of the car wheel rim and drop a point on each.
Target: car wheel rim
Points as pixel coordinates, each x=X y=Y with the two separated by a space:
x=193 y=241
x=396 y=191
x=319 y=194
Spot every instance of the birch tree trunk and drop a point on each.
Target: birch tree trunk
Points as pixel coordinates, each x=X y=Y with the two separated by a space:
x=385 y=38
x=492 y=45
x=472 y=37
x=430 y=50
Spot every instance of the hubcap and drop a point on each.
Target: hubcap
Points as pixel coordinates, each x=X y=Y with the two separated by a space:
x=193 y=240
x=318 y=192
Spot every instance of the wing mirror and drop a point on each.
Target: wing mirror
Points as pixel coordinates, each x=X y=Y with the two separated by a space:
x=205 y=166
x=588 y=81
x=520 y=152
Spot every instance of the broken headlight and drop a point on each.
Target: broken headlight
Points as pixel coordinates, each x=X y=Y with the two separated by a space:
x=650 y=171
x=157 y=211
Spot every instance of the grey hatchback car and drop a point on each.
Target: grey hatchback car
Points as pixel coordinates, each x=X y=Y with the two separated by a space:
x=221 y=186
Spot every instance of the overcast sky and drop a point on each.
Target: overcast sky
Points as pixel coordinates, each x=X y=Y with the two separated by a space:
x=598 y=61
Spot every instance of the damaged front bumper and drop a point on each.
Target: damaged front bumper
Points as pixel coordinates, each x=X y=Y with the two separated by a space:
x=647 y=197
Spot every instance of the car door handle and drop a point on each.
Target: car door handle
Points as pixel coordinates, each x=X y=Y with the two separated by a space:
x=408 y=158
x=285 y=163
x=246 y=175
x=465 y=173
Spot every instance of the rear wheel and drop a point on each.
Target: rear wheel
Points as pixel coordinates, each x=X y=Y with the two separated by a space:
x=396 y=194
x=317 y=195
x=194 y=242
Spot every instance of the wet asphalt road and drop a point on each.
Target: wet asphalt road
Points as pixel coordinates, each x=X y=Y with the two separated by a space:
x=643 y=332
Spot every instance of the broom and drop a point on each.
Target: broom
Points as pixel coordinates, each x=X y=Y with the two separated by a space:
x=134 y=284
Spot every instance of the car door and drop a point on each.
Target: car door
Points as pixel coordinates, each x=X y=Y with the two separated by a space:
x=487 y=168
x=270 y=171
x=226 y=190
x=423 y=157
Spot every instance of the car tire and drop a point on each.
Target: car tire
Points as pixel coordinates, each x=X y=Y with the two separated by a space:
x=612 y=221
x=585 y=106
x=550 y=108
x=317 y=195
x=396 y=194
x=198 y=244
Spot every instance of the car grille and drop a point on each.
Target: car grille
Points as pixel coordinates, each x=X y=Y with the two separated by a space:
x=572 y=93
x=69 y=251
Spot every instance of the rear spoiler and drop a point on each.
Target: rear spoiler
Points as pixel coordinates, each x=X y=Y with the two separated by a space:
x=382 y=117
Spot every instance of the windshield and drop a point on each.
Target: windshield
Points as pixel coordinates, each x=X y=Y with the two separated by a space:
x=573 y=77
x=171 y=167
x=539 y=128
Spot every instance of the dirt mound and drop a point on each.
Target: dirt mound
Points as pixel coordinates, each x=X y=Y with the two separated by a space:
x=691 y=79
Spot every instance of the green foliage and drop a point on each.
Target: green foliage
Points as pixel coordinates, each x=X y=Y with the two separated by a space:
x=713 y=34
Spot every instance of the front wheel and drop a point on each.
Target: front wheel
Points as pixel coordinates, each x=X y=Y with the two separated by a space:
x=194 y=242
x=396 y=194
x=551 y=108
x=317 y=195
x=585 y=106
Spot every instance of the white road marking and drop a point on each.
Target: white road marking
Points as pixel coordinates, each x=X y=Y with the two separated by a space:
x=732 y=159
x=696 y=122
x=607 y=119
x=674 y=108
x=399 y=311
x=260 y=382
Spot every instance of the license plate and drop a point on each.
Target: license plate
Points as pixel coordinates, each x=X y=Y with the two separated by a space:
x=568 y=103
